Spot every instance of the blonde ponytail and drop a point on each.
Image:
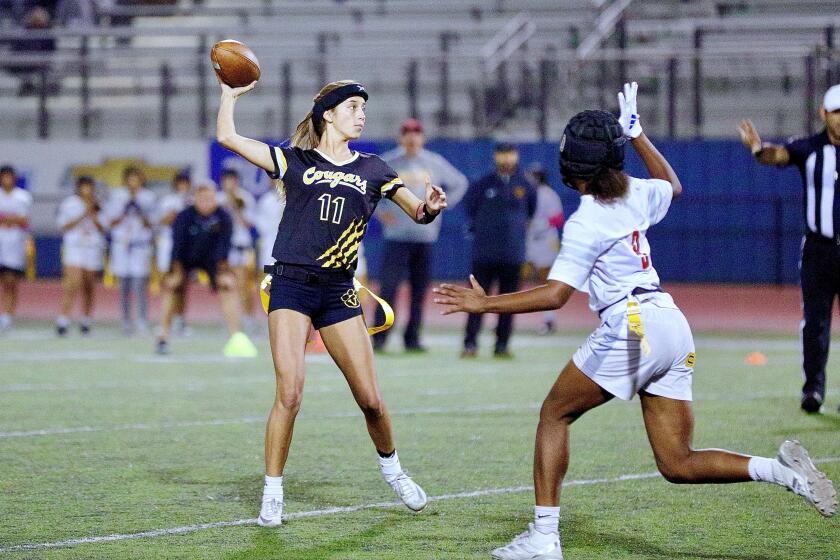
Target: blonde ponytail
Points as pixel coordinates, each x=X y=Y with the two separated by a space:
x=306 y=135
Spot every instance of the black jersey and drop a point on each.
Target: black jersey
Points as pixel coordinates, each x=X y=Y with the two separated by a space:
x=328 y=205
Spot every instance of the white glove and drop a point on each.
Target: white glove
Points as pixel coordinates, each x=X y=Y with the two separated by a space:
x=629 y=118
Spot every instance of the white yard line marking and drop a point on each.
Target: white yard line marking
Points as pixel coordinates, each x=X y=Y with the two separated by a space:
x=523 y=341
x=50 y=431
x=259 y=419
x=306 y=514
x=329 y=511
x=190 y=384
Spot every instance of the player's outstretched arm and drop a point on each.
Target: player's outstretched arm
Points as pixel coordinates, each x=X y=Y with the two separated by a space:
x=254 y=151
x=422 y=211
x=551 y=295
x=763 y=152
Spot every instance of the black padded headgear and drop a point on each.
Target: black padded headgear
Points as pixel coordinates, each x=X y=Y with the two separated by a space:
x=592 y=141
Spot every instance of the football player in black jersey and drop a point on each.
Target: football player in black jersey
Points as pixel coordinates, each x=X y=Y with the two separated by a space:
x=331 y=192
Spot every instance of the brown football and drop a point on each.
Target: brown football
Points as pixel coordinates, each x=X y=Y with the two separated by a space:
x=234 y=63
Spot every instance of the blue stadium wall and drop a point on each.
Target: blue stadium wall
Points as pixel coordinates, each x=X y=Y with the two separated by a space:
x=736 y=221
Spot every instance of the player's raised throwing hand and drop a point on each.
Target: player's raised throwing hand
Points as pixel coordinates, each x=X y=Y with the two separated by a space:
x=460 y=298
x=235 y=92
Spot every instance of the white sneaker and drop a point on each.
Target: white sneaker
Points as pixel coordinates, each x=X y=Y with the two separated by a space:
x=271 y=513
x=811 y=483
x=530 y=545
x=409 y=491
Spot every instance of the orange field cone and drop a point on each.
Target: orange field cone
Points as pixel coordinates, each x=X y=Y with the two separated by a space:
x=315 y=345
x=755 y=359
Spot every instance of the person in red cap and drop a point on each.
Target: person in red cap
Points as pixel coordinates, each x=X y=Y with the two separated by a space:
x=408 y=246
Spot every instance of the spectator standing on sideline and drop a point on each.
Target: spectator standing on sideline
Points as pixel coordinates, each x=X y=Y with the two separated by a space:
x=240 y=204
x=82 y=246
x=408 y=245
x=499 y=207
x=15 y=209
x=543 y=234
x=167 y=209
x=130 y=211
x=816 y=157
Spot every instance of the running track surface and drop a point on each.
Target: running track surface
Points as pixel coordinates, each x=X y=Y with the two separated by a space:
x=708 y=307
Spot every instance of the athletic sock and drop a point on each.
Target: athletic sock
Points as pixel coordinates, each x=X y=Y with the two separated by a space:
x=5 y=321
x=273 y=487
x=547 y=520
x=390 y=466
x=84 y=321
x=62 y=321
x=764 y=469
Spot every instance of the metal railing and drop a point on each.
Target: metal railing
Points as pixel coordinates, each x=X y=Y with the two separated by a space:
x=525 y=92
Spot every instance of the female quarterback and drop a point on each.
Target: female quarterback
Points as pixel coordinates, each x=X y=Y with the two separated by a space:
x=643 y=345
x=331 y=192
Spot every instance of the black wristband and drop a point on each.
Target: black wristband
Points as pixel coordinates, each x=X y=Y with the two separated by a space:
x=427 y=217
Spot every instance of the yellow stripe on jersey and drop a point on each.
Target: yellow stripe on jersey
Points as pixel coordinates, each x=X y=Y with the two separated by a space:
x=348 y=255
x=342 y=254
x=390 y=185
x=350 y=229
x=281 y=161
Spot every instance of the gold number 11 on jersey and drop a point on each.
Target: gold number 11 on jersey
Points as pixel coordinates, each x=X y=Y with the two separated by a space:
x=337 y=204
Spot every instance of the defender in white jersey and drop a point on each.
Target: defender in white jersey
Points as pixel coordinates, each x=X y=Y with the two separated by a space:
x=82 y=247
x=643 y=344
x=15 y=208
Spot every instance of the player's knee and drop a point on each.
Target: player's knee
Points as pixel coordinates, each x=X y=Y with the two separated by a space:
x=290 y=400
x=226 y=282
x=676 y=470
x=174 y=281
x=556 y=411
x=372 y=406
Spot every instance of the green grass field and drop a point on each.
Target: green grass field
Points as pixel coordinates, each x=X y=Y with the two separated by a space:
x=99 y=437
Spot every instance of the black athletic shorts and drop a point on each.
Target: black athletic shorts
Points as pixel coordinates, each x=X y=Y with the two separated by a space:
x=207 y=266
x=325 y=303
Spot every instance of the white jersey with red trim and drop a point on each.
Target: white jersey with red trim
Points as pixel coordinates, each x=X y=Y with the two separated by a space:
x=605 y=250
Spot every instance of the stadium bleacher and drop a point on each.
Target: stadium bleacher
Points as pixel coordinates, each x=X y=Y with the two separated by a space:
x=744 y=46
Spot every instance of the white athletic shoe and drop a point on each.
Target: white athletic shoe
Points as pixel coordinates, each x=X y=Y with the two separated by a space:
x=409 y=491
x=530 y=545
x=271 y=513
x=811 y=483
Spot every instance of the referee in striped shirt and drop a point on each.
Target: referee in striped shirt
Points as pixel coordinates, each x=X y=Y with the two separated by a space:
x=817 y=159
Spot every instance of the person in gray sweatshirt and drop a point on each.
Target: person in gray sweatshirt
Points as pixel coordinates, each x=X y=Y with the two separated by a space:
x=408 y=246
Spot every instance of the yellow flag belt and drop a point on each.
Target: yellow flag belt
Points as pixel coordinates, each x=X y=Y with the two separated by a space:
x=265 y=285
